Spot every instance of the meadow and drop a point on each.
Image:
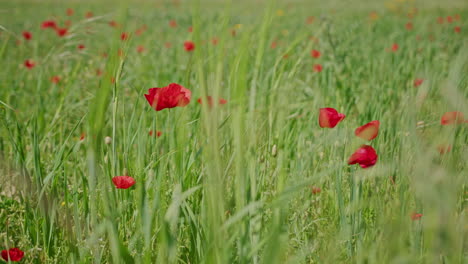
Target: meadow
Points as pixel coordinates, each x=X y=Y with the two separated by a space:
x=260 y=131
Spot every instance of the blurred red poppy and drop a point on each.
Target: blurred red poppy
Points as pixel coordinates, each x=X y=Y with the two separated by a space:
x=158 y=133
x=418 y=82
x=89 y=14
x=167 y=45
x=329 y=117
x=189 y=46
x=124 y=36
x=221 y=101
x=61 y=31
x=310 y=20
x=365 y=156
x=318 y=68
x=81 y=46
x=140 y=30
x=172 y=23
x=190 y=29
x=29 y=64
x=315 y=54
x=368 y=131
x=214 y=41
x=416 y=216
x=82 y=136
x=67 y=23
x=70 y=12
x=409 y=26
x=12 y=254
x=316 y=190
x=440 y=20
x=49 y=24
x=55 y=79
x=395 y=47
x=457 y=29
x=140 y=48
x=112 y=23
x=170 y=96
x=274 y=44
x=27 y=35
x=443 y=148
x=450 y=118
x=449 y=19
x=123 y=182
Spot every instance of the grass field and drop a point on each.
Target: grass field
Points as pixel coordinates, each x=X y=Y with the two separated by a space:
x=251 y=179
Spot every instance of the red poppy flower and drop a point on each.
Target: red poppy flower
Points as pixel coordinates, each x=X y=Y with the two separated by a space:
x=123 y=182
x=113 y=24
x=316 y=190
x=98 y=72
x=140 y=48
x=329 y=117
x=310 y=20
x=29 y=64
x=49 y=24
x=81 y=46
x=12 y=254
x=457 y=29
x=82 y=136
x=190 y=29
x=172 y=23
x=418 y=82
x=158 y=133
x=395 y=47
x=61 y=31
x=214 y=41
x=55 y=79
x=440 y=20
x=274 y=44
x=140 y=30
x=450 y=118
x=221 y=101
x=315 y=54
x=416 y=216
x=27 y=35
x=189 y=46
x=70 y=12
x=89 y=14
x=124 y=36
x=365 y=156
x=409 y=26
x=368 y=131
x=449 y=19
x=444 y=148
x=170 y=96
x=318 y=68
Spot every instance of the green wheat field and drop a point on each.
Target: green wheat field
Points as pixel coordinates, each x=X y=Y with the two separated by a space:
x=239 y=165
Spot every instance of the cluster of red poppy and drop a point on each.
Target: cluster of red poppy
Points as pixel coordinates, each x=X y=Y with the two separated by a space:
x=12 y=254
x=366 y=155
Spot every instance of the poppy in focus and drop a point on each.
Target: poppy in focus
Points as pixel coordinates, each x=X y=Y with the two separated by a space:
x=123 y=182
x=12 y=254
x=368 y=131
x=171 y=96
x=329 y=117
x=365 y=156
